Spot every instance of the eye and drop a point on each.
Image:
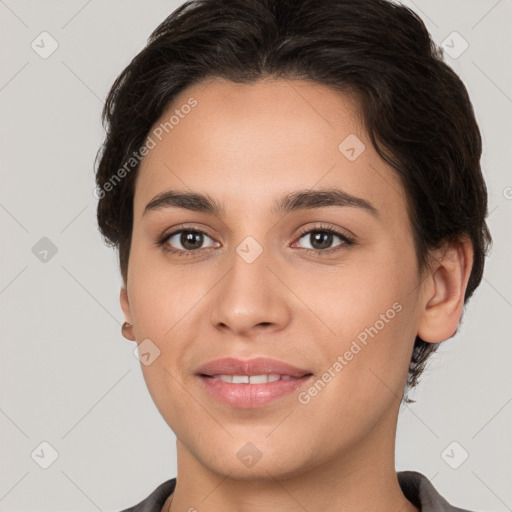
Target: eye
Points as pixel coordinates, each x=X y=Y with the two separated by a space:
x=321 y=239
x=190 y=241
x=185 y=241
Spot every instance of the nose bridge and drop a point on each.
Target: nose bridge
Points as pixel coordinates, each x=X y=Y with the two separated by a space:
x=250 y=294
x=250 y=262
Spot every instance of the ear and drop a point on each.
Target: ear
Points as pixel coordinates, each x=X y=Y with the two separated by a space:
x=125 y=304
x=443 y=291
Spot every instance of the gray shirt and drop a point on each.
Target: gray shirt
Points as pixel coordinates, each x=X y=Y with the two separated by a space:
x=415 y=486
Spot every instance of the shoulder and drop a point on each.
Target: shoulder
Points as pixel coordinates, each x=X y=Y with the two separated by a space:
x=155 y=501
x=418 y=489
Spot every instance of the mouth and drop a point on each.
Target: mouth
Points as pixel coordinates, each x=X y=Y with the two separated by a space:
x=253 y=379
x=237 y=391
x=253 y=383
x=259 y=368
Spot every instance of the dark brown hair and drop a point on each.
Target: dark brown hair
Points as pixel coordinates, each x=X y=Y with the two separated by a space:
x=415 y=108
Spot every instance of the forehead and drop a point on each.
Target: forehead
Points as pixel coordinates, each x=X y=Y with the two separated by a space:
x=244 y=142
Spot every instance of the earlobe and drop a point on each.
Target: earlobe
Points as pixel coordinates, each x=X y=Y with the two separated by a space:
x=444 y=290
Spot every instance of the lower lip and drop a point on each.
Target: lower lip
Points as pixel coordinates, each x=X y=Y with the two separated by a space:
x=251 y=396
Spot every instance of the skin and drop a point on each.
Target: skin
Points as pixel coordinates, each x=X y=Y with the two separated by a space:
x=246 y=145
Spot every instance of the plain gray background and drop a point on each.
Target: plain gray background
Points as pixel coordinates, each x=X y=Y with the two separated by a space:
x=68 y=377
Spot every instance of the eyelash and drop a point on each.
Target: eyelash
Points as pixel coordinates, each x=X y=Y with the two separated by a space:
x=322 y=229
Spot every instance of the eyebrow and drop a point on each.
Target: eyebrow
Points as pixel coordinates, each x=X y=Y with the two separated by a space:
x=293 y=201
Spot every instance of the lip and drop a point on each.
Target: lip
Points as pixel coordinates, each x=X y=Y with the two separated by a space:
x=251 y=396
x=256 y=366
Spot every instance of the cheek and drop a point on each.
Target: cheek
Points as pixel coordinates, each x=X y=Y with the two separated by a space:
x=365 y=314
x=365 y=369
x=350 y=297
x=165 y=302
x=162 y=294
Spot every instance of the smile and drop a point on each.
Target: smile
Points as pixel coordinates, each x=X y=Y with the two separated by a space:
x=252 y=379
x=250 y=392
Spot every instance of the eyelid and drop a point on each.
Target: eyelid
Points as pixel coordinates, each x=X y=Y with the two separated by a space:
x=346 y=239
x=162 y=240
x=343 y=233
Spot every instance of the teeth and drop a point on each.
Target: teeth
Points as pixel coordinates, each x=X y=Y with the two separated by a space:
x=253 y=379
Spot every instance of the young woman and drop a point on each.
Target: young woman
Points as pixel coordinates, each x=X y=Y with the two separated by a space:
x=295 y=192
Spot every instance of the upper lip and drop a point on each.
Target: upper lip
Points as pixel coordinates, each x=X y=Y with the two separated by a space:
x=256 y=366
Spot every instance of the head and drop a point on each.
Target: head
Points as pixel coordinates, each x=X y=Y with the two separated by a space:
x=246 y=103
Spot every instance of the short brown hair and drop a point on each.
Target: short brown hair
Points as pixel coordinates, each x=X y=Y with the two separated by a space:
x=415 y=108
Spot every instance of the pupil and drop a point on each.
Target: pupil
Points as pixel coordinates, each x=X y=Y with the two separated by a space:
x=324 y=239
x=191 y=240
x=188 y=238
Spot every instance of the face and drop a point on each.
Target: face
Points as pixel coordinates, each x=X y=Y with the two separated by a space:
x=331 y=287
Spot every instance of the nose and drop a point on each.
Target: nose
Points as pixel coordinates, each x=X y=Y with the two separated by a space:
x=252 y=297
